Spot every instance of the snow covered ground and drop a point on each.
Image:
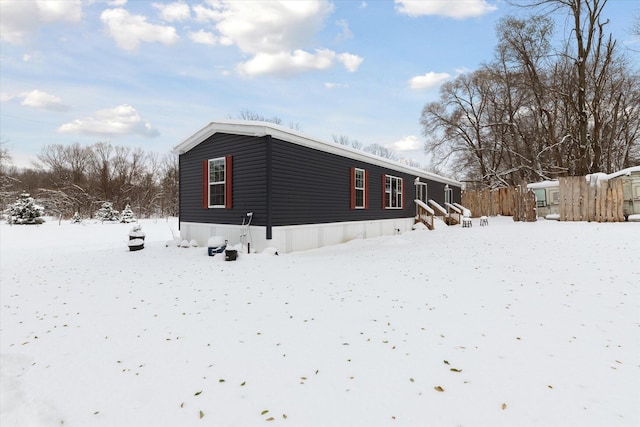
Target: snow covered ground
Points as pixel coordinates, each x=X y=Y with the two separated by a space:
x=514 y=324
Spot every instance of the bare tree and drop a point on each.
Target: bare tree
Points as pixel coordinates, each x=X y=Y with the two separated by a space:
x=7 y=176
x=458 y=127
x=344 y=140
x=246 y=114
x=169 y=185
x=531 y=113
x=66 y=168
x=380 y=151
x=590 y=52
x=411 y=163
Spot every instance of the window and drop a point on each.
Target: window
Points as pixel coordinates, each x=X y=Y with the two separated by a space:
x=216 y=182
x=421 y=191
x=359 y=187
x=448 y=194
x=392 y=192
x=541 y=197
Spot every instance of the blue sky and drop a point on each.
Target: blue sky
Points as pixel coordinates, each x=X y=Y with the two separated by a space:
x=150 y=73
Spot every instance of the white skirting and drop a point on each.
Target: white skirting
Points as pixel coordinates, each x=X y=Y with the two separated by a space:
x=295 y=237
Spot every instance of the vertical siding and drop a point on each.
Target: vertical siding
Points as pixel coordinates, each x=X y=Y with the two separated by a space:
x=308 y=185
x=249 y=180
x=312 y=186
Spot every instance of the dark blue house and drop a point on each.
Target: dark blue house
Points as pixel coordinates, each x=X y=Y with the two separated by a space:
x=297 y=192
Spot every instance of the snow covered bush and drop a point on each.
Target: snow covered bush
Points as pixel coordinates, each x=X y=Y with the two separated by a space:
x=136 y=232
x=107 y=213
x=25 y=211
x=127 y=215
x=136 y=238
x=76 y=218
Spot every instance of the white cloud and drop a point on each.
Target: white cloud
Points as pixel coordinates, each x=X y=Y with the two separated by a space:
x=276 y=34
x=428 y=80
x=458 y=9
x=130 y=30
x=112 y=3
x=32 y=57
x=271 y=27
x=350 y=62
x=52 y=11
x=5 y=97
x=330 y=85
x=20 y=18
x=408 y=143
x=16 y=20
x=205 y=14
x=285 y=63
x=121 y=120
x=43 y=100
x=345 y=32
x=173 y=12
x=203 y=37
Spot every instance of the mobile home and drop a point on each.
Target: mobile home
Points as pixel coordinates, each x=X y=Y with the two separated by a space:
x=269 y=186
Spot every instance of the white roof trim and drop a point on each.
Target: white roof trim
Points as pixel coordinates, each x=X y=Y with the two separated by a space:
x=259 y=129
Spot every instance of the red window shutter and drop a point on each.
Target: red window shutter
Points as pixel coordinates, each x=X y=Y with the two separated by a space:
x=352 y=183
x=228 y=182
x=205 y=184
x=366 y=189
x=384 y=193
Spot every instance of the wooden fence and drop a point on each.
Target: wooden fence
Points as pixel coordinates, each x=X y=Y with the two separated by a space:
x=593 y=200
x=580 y=200
x=517 y=202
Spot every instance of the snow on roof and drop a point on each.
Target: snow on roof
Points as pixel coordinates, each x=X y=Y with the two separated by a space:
x=260 y=129
x=543 y=184
x=597 y=175
x=627 y=171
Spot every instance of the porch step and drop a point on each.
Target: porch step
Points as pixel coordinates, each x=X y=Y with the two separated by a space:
x=449 y=220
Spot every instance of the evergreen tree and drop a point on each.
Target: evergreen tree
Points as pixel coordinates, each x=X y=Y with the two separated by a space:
x=127 y=215
x=107 y=213
x=25 y=211
x=76 y=219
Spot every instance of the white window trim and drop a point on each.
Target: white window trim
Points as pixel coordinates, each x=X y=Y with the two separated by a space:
x=223 y=182
x=401 y=195
x=356 y=188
